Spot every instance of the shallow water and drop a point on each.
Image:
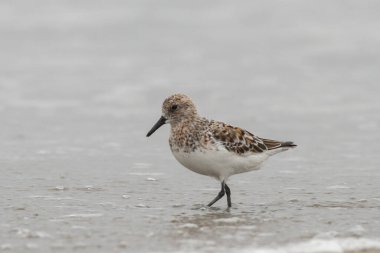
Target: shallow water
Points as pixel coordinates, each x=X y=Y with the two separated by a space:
x=82 y=82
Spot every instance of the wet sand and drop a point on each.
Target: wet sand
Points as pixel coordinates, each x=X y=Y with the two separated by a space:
x=82 y=82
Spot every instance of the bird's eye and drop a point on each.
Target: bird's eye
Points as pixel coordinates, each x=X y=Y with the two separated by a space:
x=173 y=108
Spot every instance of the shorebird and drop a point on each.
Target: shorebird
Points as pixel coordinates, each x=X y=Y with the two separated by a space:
x=213 y=148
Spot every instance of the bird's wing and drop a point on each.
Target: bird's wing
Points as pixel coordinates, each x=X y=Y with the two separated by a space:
x=236 y=140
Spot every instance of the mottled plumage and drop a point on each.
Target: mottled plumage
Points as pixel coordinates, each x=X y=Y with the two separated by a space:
x=211 y=147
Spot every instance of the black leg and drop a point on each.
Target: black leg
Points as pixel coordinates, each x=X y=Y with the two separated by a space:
x=228 y=193
x=219 y=196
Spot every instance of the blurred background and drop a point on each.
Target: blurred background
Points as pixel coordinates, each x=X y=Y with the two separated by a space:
x=81 y=82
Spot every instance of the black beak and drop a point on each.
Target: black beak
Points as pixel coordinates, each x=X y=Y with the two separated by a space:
x=156 y=126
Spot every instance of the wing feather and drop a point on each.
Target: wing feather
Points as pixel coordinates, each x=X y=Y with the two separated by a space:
x=242 y=142
x=236 y=140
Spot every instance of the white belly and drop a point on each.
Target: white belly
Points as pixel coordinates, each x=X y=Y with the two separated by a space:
x=219 y=163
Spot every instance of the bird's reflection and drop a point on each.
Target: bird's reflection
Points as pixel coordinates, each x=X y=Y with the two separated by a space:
x=214 y=227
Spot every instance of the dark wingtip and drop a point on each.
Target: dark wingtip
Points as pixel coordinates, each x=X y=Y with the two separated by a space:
x=288 y=144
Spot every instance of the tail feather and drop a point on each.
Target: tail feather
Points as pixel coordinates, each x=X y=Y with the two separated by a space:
x=272 y=144
x=288 y=144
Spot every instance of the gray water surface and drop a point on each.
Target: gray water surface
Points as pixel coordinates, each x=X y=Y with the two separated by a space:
x=81 y=82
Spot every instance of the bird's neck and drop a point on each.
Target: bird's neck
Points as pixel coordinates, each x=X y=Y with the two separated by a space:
x=185 y=133
x=187 y=123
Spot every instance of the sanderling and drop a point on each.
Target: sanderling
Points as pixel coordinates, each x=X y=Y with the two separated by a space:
x=213 y=148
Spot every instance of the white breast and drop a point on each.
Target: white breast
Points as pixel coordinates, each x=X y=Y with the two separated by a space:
x=219 y=163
